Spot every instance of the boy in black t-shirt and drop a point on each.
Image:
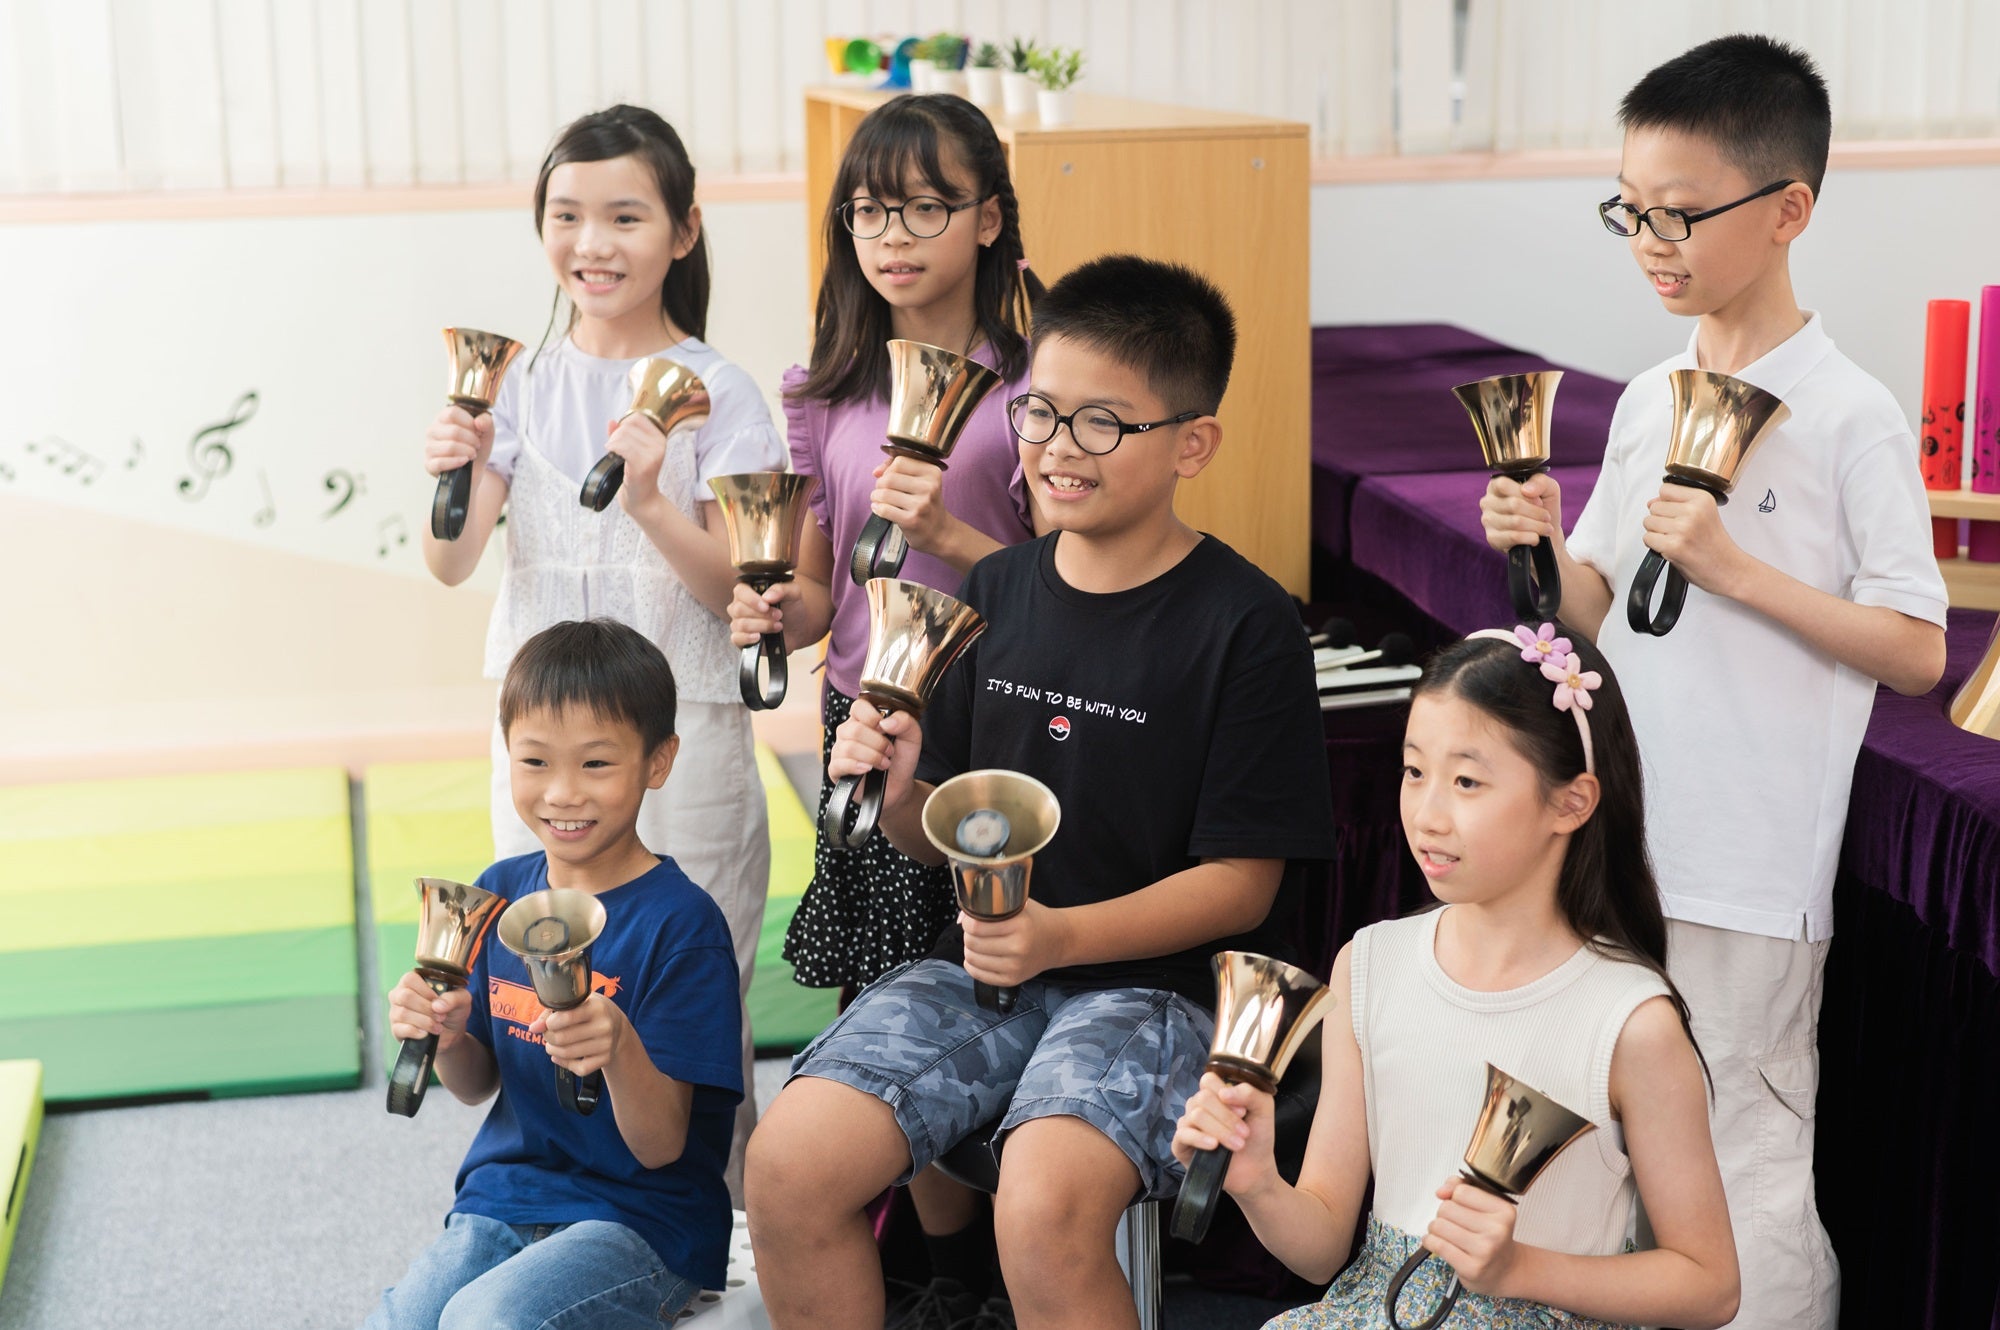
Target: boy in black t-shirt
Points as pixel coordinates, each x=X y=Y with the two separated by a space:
x=1163 y=688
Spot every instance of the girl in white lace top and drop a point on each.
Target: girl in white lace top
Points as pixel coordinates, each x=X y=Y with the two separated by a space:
x=1522 y=804
x=614 y=206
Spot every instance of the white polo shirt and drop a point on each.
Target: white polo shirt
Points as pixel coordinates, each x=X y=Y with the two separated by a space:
x=1748 y=735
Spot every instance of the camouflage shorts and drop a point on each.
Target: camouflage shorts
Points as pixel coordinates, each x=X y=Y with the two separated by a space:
x=1125 y=1060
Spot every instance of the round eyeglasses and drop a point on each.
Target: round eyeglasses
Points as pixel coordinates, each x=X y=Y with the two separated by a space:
x=1670 y=224
x=924 y=217
x=1097 y=430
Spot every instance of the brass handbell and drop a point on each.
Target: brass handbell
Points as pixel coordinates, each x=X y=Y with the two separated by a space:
x=932 y=395
x=1718 y=423
x=479 y=360
x=914 y=634
x=667 y=393
x=1519 y=1133
x=1976 y=705
x=551 y=931
x=765 y=512
x=991 y=880
x=1511 y=415
x=451 y=920
x=1264 y=1009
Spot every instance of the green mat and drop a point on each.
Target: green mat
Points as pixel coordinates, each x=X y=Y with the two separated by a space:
x=20 y=1127
x=432 y=819
x=180 y=935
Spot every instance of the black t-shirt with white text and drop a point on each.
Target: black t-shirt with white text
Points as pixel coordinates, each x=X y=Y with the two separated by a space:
x=1176 y=721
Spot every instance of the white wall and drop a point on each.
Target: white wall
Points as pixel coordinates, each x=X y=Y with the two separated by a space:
x=1526 y=262
x=129 y=331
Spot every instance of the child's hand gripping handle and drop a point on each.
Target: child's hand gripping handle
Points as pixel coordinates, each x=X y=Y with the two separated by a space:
x=579 y=1094
x=1639 y=603
x=1201 y=1193
x=867 y=811
x=411 y=1076
x=879 y=552
x=1534 y=580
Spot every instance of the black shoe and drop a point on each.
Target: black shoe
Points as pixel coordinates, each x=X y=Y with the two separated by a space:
x=939 y=1305
x=996 y=1313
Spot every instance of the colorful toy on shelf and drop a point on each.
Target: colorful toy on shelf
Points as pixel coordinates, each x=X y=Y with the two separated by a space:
x=1942 y=456
x=1983 y=542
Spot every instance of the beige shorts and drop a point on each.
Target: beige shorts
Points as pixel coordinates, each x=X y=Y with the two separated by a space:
x=1755 y=1006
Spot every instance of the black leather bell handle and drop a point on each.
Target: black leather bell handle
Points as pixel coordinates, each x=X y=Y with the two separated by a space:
x=411 y=1075
x=1534 y=580
x=1639 y=604
x=451 y=503
x=579 y=1094
x=1201 y=1194
x=600 y=487
x=989 y=998
x=879 y=552
x=766 y=693
x=867 y=810
x=1443 y=1309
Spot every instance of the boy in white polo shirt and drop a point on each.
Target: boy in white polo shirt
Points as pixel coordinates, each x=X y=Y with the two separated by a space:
x=1814 y=584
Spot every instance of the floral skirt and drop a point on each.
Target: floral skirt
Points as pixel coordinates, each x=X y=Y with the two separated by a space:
x=1355 y=1302
x=867 y=910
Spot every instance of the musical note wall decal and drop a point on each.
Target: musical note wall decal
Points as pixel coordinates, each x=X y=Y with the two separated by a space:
x=402 y=535
x=209 y=456
x=268 y=513
x=68 y=459
x=347 y=484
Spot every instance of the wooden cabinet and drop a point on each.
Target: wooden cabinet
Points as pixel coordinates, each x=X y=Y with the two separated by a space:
x=1222 y=193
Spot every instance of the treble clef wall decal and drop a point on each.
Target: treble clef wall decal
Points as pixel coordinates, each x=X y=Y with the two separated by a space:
x=209 y=457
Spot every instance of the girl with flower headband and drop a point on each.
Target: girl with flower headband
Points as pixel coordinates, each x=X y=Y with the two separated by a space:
x=1546 y=958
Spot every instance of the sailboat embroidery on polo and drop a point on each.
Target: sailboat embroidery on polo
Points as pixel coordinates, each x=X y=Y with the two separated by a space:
x=1769 y=503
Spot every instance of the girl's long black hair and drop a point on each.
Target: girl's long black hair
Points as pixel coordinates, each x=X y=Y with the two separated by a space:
x=1606 y=890
x=904 y=147
x=633 y=131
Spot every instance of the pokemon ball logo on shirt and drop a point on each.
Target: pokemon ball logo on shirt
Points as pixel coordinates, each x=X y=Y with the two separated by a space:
x=1059 y=728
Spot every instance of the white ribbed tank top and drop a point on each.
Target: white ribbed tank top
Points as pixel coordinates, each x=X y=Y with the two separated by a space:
x=1425 y=1042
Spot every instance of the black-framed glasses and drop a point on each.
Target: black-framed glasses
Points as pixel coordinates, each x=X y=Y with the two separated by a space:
x=924 y=216
x=1096 y=429
x=1671 y=224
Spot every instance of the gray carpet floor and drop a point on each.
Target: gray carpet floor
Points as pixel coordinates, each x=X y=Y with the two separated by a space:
x=286 y=1211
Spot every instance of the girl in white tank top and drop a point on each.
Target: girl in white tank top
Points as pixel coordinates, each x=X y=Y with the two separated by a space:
x=1522 y=805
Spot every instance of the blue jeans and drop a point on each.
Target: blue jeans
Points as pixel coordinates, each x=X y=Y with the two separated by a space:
x=486 y=1275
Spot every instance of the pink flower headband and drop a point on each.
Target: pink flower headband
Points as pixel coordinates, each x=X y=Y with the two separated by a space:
x=1561 y=666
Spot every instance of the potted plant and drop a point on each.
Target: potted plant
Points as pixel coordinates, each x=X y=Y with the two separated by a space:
x=1056 y=71
x=923 y=68
x=1017 y=80
x=982 y=77
x=948 y=63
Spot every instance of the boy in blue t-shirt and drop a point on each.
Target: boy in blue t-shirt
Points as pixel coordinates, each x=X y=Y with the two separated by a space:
x=620 y=1217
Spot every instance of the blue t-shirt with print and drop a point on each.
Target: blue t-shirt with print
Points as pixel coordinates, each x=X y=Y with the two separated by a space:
x=665 y=959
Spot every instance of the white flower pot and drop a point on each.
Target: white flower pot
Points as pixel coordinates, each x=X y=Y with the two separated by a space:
x=1017 y=91
x=1056 y=108
x=983 y=86
x=923 y=76
x=949 y=80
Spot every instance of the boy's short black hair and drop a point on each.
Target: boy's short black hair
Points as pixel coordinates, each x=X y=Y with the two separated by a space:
x=1168 y=322
x=1761 y=102
x=598 y=664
